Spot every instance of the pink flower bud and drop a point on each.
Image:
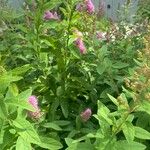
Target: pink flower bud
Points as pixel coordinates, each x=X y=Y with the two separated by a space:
x=89 y=6
x=85 y=116
x=34 y=102
x=79 y=43
x=48 y=15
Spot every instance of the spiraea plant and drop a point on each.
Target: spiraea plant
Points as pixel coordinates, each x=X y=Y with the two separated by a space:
x=124 y=122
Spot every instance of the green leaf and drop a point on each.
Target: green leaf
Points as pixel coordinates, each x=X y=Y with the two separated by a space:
x=53 y=109
x=20 y=70
x=1 y=130
x=21 y=144
x=101 y=67
x=120 y=65
x=125 y=145
x=64 y=108
x=103 y=112
x=3 y=109
x=103 y=52
x=19 y=103
x=144 y=106
x=12 y=91
x=20 y=100
x=73 y=145
x=6 y=79
x=44 y=58
x=142 y=133
x=22 y=27
x=25 y=95
x=7 y=139
x=50 y=143
x=129 y=131
x=98 y=135
x=62 y=122
x=25 y=129
x=114 y=100
x=143 y=120
x=50 y=5
x=68 y=141
x=59 y=91
x=52 y=126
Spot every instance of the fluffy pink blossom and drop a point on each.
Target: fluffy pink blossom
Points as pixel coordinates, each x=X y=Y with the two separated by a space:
x=34 y=102
x=85 y=115
x=48 y=15
x=79 y=43
x=89 y=6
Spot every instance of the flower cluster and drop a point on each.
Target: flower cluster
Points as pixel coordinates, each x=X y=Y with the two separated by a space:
x=48 y=15
x=87 y=5
x=79 y=43
x=85 y=115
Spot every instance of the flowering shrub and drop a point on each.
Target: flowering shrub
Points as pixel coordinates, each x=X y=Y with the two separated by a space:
x=144 y=10
x=73 y=60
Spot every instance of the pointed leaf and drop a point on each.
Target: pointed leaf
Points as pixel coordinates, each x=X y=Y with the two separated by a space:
x=142 y=133
x=125 y=145
x=52 y=126
x=129 y=131
x=114 y=100
x=50 y=143
x=22 y=144
x=26 y=131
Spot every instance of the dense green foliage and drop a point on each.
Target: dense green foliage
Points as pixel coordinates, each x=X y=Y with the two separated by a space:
x=108 y=73
x=144 y=9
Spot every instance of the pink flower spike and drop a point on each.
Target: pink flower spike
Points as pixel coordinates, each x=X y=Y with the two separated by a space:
x=79 y=43
x=48 y=15
x=85 y=116
x=90 y=6
x=34 y=102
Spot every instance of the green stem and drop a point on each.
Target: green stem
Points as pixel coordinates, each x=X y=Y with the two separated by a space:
x=119 y=127
x=68 y=29
x=116 y=131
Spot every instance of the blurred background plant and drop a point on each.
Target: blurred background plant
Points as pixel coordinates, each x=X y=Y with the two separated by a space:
x=144 y=9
